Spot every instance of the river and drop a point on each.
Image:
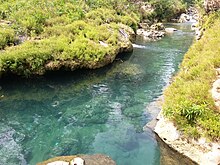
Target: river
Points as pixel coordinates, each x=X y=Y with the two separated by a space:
x=91 y=111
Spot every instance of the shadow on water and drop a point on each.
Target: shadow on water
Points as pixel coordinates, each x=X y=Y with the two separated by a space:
x=89 y=111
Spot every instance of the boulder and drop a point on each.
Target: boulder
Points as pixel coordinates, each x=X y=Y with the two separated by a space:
x=127 y=32
x=77 y=161
x=170 y=30
x=97 y=159
x=184 y=18
x=58 y=163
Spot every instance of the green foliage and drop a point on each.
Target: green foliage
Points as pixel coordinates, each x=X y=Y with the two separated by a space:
x=210 y=19
x=166 y=10
x=188 y=101
x=191 y=112
x=7 y=36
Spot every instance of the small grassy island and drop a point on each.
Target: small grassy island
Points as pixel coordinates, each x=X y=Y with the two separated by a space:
x=37 y=36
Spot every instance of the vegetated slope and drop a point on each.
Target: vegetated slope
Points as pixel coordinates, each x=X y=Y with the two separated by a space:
x=41 y=35
x=188 y=101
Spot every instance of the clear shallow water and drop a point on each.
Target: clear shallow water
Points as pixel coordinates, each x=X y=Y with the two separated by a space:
x=100 y=111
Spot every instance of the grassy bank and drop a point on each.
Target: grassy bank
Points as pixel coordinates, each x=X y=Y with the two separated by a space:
x=188 y=101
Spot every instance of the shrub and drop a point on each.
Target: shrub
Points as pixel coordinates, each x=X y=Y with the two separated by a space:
x=7 y=37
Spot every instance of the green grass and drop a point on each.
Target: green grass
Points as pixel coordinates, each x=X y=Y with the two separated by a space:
x=188 y=101
x=7 y=36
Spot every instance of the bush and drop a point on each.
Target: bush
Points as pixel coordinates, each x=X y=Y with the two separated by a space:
x=166 y=10
x=7 y=37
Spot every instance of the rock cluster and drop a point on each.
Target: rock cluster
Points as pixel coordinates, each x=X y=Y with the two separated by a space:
x=190 y=16
x=184 y=18
x=155 y=31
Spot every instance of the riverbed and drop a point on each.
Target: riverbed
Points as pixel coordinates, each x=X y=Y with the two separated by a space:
x=91 y=111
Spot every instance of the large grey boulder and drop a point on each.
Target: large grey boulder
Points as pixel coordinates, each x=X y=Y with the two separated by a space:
x=97 y=159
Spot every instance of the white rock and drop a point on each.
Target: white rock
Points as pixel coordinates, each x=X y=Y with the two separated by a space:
x=147 y=33
x=184 y=18
x=170 y=30
x=140 y=31
x=58 y=163
x=77 y=161
x=166 y=129
x=103 y=44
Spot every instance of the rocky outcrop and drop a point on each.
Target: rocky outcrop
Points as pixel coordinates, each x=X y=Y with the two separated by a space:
x=184 y=18
x=155 y=31
x=211 y=5
x=191 y=15
x=96 y=159
x=200 y=151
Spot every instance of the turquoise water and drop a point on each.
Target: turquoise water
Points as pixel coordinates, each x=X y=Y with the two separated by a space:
x=86 y=112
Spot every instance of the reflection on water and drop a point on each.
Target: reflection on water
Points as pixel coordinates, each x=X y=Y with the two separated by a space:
x=99 y=111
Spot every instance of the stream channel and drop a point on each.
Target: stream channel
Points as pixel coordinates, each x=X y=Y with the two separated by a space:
x=91 y=111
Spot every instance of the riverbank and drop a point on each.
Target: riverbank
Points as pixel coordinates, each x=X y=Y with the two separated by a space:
x=190 y=120
x=200 y=151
